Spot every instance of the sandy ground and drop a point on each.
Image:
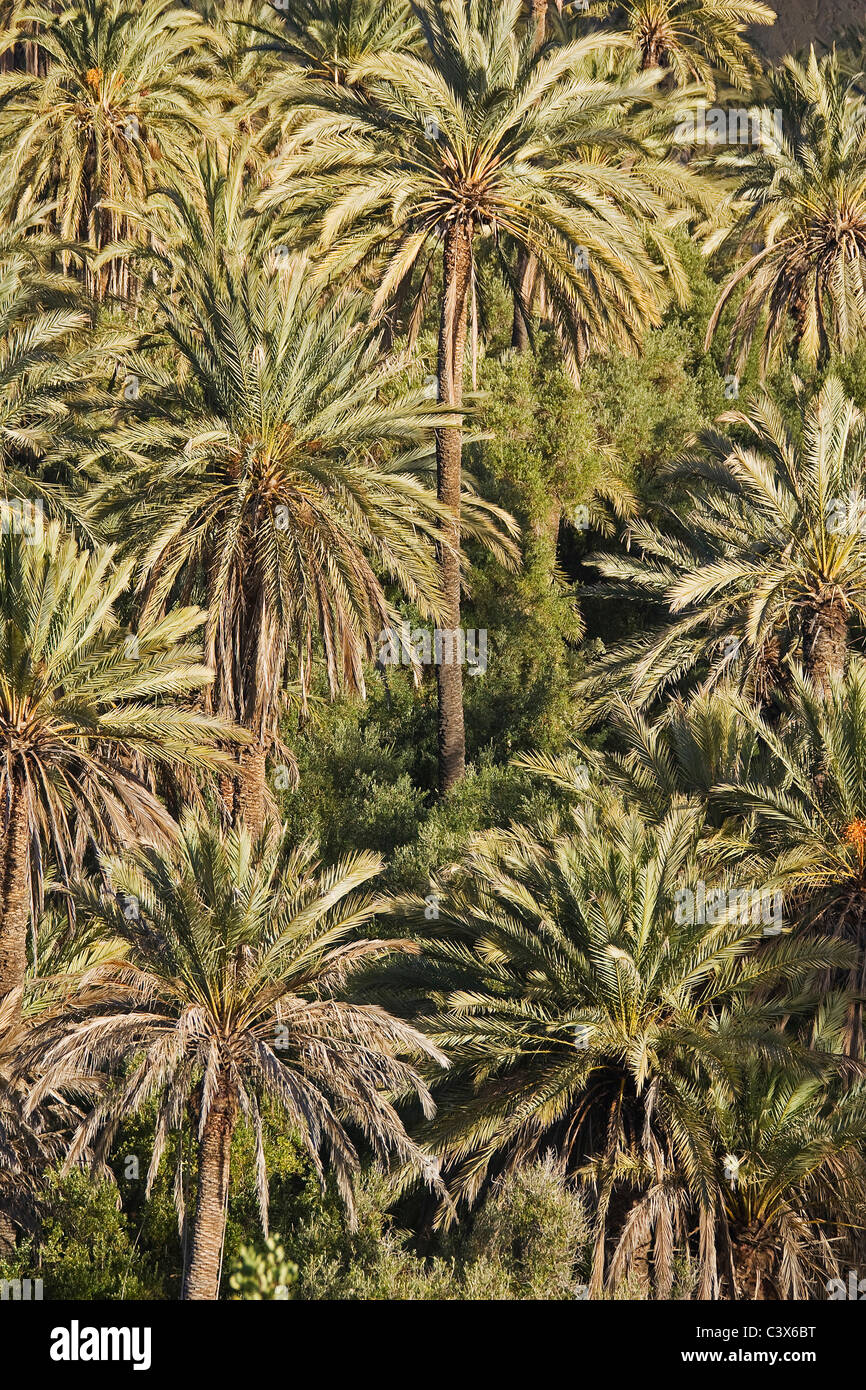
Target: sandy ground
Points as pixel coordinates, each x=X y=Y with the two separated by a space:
x=801 y=22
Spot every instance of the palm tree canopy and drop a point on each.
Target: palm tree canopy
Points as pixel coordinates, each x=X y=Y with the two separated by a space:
x=581 y=971
x=86 y=705
x=328 y=38
x=286 y=461
x=691 y=748
x=694 y=39
x=525 y=146
x=51 y=369
x=122 y=93
x=769 y=556
x=239 y=964
x=799 y=208
x=809 y=808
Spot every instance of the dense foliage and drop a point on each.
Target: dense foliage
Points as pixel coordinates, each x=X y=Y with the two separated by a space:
x=432 y=651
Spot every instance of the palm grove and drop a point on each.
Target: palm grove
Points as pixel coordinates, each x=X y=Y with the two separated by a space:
x=335 y=962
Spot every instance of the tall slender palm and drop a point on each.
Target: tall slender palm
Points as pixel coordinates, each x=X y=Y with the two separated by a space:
x=589 y=1006
x=693 y=39
x=769 y=557
x=801 y=201
x=486 y=135
x=235 y=989
x=81 y=699
x=121 y=95
x=282 y=467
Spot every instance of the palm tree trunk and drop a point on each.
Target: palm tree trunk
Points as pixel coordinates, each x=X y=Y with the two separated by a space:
x=8 y=1235
x=826 y=643
x=457 y=267
x=519 y=329
x=202 y=1279
x=754 y=1263
x=250 y=789
x=653 y=46
x=14 y=895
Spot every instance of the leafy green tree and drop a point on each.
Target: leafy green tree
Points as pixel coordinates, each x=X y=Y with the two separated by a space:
x=243 y=45
x=530 y=1240
x=263 y=1274
x=540 y=453
x=86 y=1248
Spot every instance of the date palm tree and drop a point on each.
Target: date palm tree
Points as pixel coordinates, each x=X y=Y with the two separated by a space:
x=235 y=989
x=326 y=39
x=588 y=995
x=798 y=214
x=768 y=558
x=243 y=45
x=485 y=135
x=786 y=1194
x=283 y=468
x=694 y=40
x=121 y=94
x=52 y=368
x=692 y=747
x=33 y=1140
x=810 y=809
x=81 y=699
x=796 y=1190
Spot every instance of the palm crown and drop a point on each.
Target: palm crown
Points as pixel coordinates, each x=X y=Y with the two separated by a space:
x=694 y=39
x=799 y=209
x=121 y=93
x=493 y=137
x=85 y=707
x=795 y=1140
x=582 y=978
x=234 y=991
x=769 y=558
x=327 y=40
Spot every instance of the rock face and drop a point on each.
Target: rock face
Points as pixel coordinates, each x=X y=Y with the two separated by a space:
x=803 y=22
